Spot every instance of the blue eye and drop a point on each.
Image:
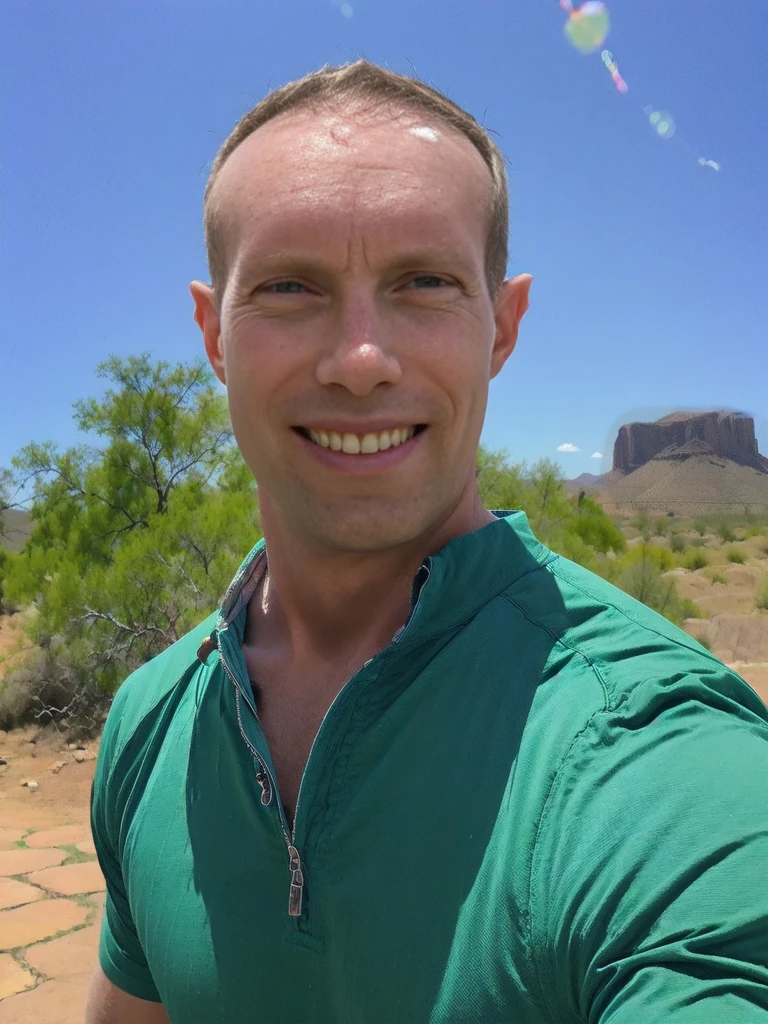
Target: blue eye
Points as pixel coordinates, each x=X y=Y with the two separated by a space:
x=429 y=277
x=286 y=287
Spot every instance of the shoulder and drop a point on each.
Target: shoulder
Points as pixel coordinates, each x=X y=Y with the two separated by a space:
x=635 y=654
x=144 y=693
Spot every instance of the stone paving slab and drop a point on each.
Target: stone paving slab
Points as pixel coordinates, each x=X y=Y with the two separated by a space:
x=70 y=880
x=69 y=954
x=86 y=847
x=10 y=836
x=64 y=835
x=13 y=978
x=19 y=862
x=14 y=894
x=37 y=921
x=61 y=1001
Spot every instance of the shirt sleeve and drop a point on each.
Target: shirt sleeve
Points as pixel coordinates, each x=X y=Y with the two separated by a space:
x=649 y=894
x=120 y=954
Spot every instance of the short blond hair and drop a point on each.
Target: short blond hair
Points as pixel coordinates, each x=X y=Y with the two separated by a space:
x=360 y=83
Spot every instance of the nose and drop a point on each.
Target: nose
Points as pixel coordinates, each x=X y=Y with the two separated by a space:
x=360 y=356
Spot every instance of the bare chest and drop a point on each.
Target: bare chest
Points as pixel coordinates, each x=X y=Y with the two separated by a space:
x=289 y=729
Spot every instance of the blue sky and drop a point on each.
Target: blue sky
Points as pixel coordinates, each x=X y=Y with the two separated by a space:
x=649 y=291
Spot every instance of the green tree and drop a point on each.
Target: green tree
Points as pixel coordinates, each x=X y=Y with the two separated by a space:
x=134 y=541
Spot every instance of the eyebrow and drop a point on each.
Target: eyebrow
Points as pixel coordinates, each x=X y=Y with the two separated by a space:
x=293 y=262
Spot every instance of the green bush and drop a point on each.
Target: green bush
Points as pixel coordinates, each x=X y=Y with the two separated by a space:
x=761 y=601
x=700 y=526
x=641 y=578
x=698 y=542
x=661 y=527
x=695 y=559
x=677 y=542
x=725 y=533
x=736 y=556
x=717 y=577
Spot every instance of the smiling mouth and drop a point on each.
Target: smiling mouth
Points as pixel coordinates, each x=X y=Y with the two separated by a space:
x=361 y=444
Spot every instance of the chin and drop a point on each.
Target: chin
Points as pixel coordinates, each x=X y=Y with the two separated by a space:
x=365 y=531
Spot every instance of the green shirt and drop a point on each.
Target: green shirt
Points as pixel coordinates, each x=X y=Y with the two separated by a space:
x=541 y=802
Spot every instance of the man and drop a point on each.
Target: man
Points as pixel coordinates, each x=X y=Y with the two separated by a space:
x=417 y=768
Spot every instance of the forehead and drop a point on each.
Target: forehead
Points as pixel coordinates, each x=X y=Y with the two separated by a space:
x=387 y=175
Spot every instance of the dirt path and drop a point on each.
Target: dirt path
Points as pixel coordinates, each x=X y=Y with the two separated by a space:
x=51 y=888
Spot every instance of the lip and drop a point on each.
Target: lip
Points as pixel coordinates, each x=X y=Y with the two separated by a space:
x=360 y=465
x=360 y=427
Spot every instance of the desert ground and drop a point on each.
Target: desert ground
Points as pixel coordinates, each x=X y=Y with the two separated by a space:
x=51 y=889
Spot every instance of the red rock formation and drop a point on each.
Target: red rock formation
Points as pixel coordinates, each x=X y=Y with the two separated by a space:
x=729 y=435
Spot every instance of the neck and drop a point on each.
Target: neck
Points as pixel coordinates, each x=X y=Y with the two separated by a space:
x=318 y=604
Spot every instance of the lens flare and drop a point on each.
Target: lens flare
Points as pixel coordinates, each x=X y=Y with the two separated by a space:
x=587 y=28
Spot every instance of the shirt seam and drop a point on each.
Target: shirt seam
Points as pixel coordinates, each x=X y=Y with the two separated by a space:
x=560 y=642
x=637 y=622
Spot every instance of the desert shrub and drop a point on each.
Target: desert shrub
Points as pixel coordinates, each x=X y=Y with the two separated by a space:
x=688 y=609
x=662 y=558
x=700 y=526
x=660 y=527
x=643 y=580
x=49 y=688
x=698 y=542
x=753 y=531
x=717 y=577
x=725 y=533
x=694 y=559
x=736 y=556
x=761 y=601
x=642 y=523
x=677 y=542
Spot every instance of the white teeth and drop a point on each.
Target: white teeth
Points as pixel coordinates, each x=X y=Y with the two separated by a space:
x=362 y=444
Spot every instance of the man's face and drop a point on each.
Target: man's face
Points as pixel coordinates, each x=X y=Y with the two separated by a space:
x=356 y=316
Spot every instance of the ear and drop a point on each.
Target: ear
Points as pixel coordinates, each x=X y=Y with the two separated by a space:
x=511 y=305
x=207 y=319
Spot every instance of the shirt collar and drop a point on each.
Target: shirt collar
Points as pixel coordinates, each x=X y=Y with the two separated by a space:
x=449 y=587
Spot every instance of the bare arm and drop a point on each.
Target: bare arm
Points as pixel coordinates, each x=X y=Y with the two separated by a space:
x=107 y=1004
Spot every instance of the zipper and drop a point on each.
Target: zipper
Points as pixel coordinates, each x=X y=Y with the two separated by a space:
x=268 y=788
x=265 y=778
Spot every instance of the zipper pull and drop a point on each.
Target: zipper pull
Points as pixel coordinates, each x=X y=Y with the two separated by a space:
x=207 y=647
x=266 y=787
x=297 y=883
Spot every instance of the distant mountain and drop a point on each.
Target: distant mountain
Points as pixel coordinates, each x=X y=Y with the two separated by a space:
x=689 y=464
x=728 y=434
x=586 y=482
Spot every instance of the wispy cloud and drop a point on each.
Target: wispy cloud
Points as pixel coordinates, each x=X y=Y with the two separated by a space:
x=345 y=9
x=709 y=163
x=596 y=455
x=568 y=448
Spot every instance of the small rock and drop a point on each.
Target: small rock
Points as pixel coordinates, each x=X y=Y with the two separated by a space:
x=33 y=785
x=32 y=740
x=79 y=756
x=23 y=782
x=89 y=756
x=71 y=746
x=3 y=761
x=79 y=746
